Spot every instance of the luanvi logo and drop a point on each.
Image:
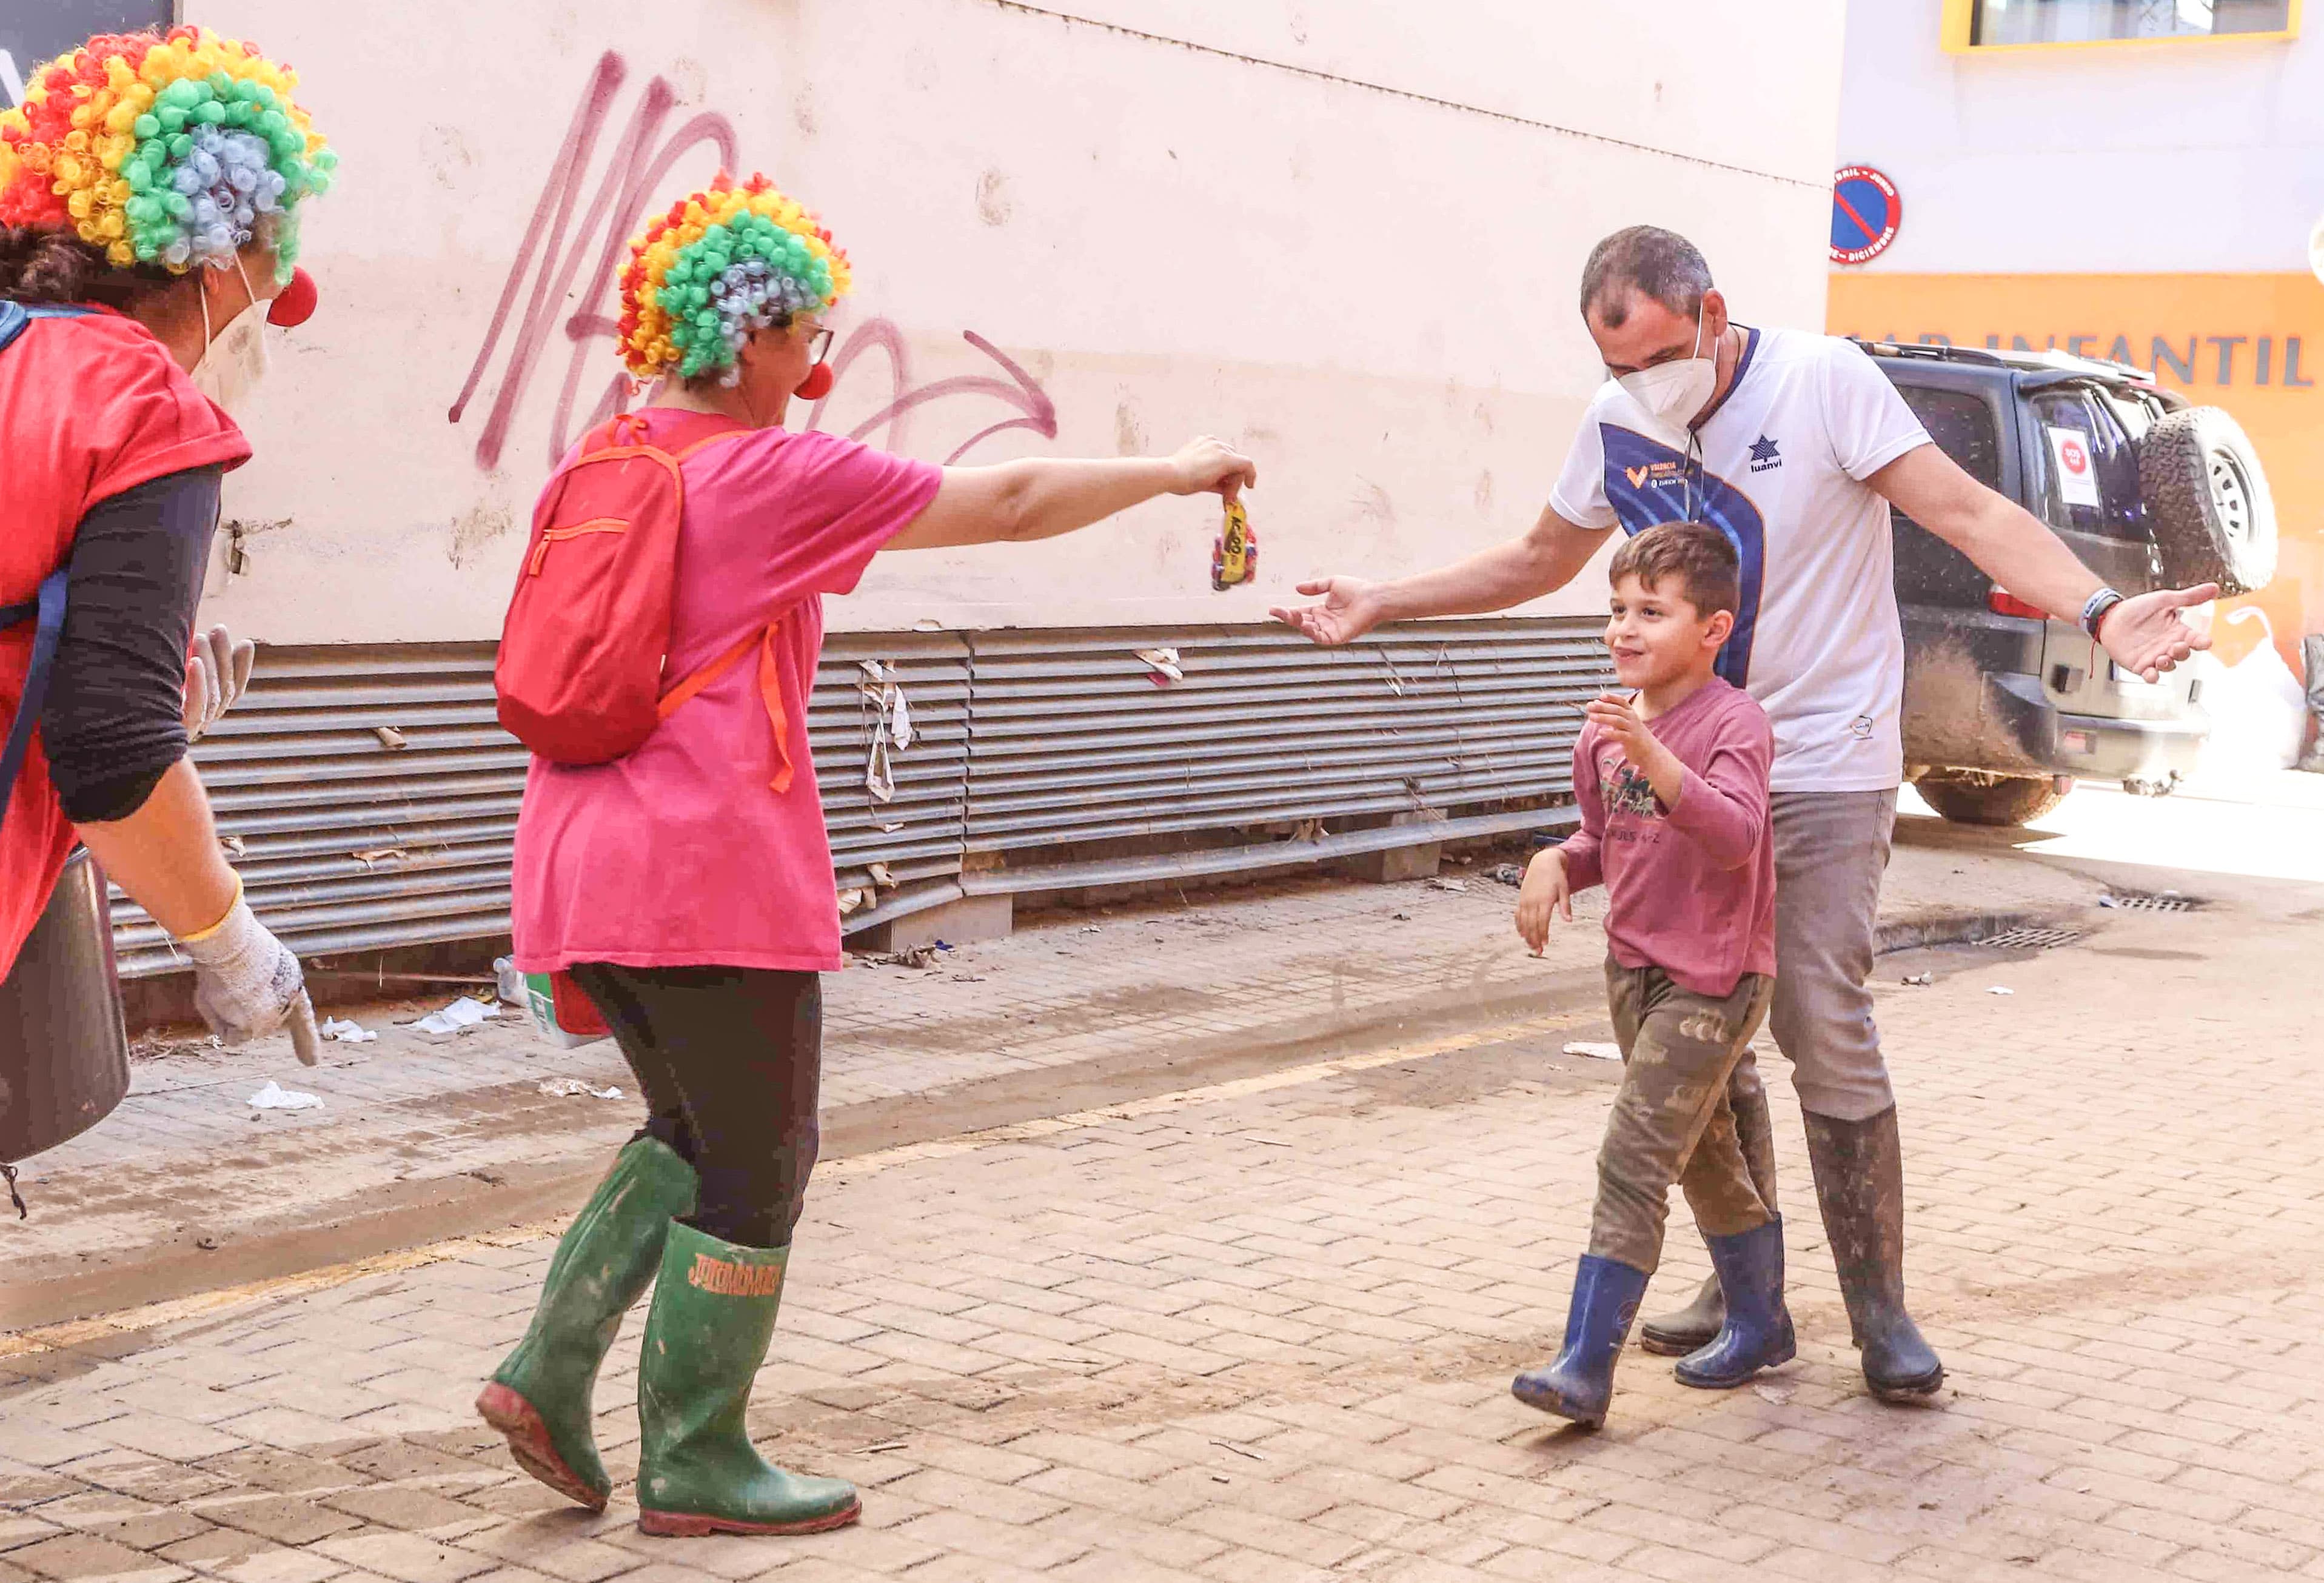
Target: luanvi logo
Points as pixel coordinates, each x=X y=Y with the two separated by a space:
x=1764 y=456
x=726 y=1279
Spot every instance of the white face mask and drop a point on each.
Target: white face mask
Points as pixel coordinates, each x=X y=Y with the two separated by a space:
x=234 y=359
x=1674 y=393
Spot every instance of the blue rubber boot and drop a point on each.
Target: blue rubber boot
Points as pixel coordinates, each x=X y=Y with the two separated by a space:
x=1581 y=1383
x=1758 y=1331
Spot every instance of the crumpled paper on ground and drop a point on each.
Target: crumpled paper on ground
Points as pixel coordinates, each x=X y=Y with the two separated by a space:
x=462 y=1013
x=572 y=1087
x=275 y=1096
x=345 y=1032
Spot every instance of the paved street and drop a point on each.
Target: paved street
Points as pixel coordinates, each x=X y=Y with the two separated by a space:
x=1259 y=1325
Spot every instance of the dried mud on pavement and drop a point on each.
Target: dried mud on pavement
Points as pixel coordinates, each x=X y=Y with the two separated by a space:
x=186 y=1188
x=1261 y=1328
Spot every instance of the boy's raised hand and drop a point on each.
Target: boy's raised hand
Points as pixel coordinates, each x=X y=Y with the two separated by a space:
x=1544 y=891
x=1618 y=721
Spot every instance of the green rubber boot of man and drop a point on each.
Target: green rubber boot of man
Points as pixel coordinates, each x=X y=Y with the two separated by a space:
x=712 y=1319
x=541 y=1396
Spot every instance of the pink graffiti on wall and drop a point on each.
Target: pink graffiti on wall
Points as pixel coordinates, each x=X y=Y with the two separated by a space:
x=532 y=306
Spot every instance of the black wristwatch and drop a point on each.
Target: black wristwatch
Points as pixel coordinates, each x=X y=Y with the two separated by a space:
x=2095 y=607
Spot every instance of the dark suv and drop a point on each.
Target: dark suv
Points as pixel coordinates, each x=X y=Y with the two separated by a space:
x=2004 y=708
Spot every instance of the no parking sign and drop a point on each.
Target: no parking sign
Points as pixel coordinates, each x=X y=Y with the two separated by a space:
x=1865 y=214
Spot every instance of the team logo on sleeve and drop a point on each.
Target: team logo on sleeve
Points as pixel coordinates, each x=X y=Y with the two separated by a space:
x=1764 y=457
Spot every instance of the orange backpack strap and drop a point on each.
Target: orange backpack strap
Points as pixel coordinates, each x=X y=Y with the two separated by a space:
x=771 y=692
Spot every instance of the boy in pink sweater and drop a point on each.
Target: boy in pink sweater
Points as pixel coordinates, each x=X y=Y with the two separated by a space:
x=1672 y=780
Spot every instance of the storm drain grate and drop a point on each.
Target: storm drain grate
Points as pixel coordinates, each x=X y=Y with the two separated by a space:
x=2140 y=901
x=2029 y=938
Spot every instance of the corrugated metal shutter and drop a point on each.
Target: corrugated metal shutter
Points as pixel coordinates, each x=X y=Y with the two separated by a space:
x=1074 y=743
x=298 y=775
x=1022 y=741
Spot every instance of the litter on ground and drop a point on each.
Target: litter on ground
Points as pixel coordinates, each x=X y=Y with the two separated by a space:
x=345 y=1032
x=462 y=1013
x=275 y=1096
x=572 y=1087
x=1596 y=1049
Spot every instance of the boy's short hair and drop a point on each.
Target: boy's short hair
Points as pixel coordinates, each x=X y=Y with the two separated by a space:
x=1696 y=556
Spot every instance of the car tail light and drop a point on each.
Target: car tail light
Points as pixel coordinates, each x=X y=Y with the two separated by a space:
x=2001 y=602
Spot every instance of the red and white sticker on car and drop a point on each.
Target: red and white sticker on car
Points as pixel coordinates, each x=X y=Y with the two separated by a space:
x=2077 y=480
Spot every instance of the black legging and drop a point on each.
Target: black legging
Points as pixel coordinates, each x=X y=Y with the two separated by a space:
x=729 y=1060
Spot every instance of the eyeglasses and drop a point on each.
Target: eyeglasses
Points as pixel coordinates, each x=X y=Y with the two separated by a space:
x=819 y=346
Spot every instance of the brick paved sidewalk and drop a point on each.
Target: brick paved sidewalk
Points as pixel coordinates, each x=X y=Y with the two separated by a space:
x=189 y=1184
x=1264 y=1334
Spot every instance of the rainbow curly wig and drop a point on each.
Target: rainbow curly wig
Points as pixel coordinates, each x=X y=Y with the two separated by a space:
x=171 y=150
x=720 y=264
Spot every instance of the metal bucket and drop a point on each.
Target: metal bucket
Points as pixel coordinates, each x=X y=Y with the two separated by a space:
x=64 y=1050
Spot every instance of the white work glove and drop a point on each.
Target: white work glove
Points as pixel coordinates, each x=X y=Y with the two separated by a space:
x=217 y=671
x=247 y=983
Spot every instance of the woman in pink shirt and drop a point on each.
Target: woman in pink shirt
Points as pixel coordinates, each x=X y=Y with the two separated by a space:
x=687 y=887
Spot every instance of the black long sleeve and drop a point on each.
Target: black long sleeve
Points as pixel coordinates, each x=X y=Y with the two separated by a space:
x=112 y=720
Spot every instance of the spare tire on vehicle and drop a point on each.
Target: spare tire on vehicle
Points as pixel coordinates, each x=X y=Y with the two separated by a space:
x=2208 y=498
x=1978 y=796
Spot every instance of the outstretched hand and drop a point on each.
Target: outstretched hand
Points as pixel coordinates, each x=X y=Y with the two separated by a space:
x=2147 y=636
x=1350 y=608
x=1213 y=466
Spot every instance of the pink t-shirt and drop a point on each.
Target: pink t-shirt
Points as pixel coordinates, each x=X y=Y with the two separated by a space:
x=680 y=853
x=1690 y=890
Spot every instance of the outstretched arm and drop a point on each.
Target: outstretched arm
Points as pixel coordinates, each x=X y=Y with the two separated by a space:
x=2143 y=635
x=1545 y=558
x=1041 y=497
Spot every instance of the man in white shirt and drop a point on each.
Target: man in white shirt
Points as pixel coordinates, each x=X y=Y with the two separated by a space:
x=1795 y=445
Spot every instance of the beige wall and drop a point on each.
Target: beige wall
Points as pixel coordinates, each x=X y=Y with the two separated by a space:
x=1344 y=236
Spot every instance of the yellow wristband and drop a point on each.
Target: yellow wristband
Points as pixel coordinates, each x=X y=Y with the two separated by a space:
x=199 y=935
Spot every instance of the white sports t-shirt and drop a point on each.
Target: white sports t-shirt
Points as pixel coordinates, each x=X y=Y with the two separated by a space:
x=1817 y=641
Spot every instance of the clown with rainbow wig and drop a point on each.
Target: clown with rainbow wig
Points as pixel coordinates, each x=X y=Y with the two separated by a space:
x=152 y=187
x=682 y=887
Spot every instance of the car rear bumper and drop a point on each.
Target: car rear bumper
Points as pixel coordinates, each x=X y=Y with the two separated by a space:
x=1975 y=699
x=2094 y=747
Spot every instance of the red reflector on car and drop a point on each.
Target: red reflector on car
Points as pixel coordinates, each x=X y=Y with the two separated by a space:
x=2001 y=602
x=2077 y=741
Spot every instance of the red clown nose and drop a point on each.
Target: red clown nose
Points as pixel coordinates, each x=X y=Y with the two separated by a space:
x=817 y=385
x=295 y=303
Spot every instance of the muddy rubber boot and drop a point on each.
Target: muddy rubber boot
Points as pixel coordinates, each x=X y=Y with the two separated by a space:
x=1687 y=1329
x=1859 y=1177
x=713 y=1318
x=1757 y=1331
x=539 y=1397
x=1581 y=1383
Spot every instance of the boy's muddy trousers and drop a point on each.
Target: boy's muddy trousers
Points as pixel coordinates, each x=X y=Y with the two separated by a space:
x=1673 y=1120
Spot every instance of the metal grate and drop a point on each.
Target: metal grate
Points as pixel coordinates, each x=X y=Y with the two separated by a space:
x=1074 y=741
x=2027 y=937
x=1022 y=741
x=2141 y=901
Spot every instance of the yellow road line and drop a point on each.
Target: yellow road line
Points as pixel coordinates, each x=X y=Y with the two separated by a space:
x=55 y=1338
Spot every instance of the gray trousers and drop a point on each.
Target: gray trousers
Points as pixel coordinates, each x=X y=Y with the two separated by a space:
x=1830 y=849
x=2312 y=655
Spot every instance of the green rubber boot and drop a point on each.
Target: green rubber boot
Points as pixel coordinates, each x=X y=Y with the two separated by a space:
x=539 y=1397
x=713 y=1315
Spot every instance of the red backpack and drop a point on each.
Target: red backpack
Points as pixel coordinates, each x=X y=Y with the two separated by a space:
x=580 y=669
